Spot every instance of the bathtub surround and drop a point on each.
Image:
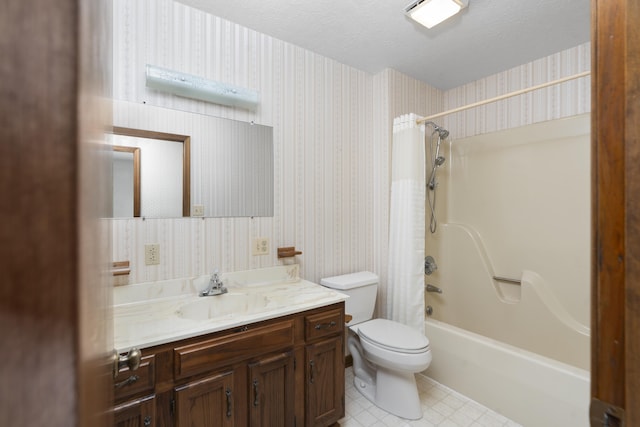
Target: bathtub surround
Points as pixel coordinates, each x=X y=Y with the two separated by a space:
x=405 y=285
x=517 y=205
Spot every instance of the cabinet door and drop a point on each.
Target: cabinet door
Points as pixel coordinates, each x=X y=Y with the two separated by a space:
x=137 y=413
x=205 y=403
x=325 y=382
x=271 y=391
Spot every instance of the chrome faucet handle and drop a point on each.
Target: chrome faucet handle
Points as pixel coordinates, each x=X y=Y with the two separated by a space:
x=215 y=279
x=216 y=286
x=429 y=265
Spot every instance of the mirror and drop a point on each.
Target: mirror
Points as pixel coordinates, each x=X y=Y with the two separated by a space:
x=230 y=162
x=151 y=174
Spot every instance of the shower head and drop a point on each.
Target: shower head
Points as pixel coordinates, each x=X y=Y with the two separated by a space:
x=442 y=132
x=439 y=161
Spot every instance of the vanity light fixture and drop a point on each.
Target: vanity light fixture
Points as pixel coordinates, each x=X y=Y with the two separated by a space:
x=196 y=87
x=432 y=12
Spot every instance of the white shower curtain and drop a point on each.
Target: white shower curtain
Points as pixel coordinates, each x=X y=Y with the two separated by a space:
x=405 y=286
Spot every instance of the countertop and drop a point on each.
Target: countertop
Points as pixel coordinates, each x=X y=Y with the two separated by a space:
x=156 y=313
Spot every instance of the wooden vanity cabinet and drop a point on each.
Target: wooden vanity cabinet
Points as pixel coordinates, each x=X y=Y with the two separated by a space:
x=272 y=391
x=136 y=413
x=285 y=372
x=206 y=402
x=324 y=397
x=131 y=410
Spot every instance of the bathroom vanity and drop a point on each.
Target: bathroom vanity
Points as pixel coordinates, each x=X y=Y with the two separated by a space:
x=278 y=360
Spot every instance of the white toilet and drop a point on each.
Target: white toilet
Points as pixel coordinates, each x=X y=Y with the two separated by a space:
x=386 y=354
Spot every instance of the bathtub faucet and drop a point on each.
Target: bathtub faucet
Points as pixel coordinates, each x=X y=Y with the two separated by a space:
x=215 y=287
x=431 y=288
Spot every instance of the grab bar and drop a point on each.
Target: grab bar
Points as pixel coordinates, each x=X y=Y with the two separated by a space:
x=506 y=279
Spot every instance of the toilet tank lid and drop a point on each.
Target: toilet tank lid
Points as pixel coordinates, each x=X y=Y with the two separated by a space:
x=350 y=281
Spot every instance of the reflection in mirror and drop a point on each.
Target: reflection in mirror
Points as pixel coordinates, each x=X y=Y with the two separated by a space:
x=126 y=182
x=232 y=163
x=161 y=162
x=236 y=169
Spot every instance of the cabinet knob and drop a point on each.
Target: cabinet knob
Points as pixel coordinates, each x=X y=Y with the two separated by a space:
x=131 y=360
x=147 y=421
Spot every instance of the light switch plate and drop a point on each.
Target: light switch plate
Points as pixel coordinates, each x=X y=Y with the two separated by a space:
x=152 y=254
x=261 y=246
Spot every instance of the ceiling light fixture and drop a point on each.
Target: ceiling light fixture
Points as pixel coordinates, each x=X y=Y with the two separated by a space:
x=432 y=12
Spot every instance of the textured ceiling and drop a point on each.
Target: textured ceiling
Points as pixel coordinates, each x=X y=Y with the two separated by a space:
x=488 y=37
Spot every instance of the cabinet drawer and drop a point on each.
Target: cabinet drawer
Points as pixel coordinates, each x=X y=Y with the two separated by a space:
x=141 y=380
x=247 y=342
x=323 y=324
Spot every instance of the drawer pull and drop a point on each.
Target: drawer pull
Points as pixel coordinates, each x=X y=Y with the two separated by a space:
x=132 y=379
x=256 y=401
x=228 y=393
x=326 y=325
x=147 y=421
x=312 y=365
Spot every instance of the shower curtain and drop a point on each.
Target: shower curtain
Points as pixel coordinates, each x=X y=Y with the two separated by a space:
x=405 y=286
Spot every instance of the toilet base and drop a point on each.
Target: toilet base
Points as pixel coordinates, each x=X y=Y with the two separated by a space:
x=393 y=391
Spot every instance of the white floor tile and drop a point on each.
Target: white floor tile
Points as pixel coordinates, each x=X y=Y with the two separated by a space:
x=442 y=407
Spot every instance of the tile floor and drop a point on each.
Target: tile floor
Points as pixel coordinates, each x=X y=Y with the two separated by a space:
x=442 y=407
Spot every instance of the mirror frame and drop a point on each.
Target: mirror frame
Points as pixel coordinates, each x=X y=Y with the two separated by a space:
x=186 y=161
x=136 y=175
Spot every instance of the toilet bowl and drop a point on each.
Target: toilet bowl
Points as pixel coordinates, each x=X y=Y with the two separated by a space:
x=386 y=354
x=393 y=345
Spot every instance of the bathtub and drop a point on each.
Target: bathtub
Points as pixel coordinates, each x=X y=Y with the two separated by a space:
x=528 y=388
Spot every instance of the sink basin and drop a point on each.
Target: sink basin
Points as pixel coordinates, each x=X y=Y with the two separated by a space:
x=224 y=305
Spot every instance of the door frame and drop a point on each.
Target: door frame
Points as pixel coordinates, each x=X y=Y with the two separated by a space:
x=615 y=248
x=54 y=296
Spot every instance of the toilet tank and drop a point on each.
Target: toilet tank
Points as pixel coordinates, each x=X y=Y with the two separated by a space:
x=362 y=289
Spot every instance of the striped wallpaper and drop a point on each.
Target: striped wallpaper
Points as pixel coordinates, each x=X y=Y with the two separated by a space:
x=332 y=133
x=331 y=139
x=564 y=100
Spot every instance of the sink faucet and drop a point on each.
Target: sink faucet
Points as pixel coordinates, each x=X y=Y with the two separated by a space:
x=216 y=287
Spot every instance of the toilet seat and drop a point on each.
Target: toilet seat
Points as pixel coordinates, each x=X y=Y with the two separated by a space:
x=393 y=336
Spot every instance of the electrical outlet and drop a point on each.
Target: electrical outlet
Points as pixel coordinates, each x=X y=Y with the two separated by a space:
x=198 y=210
x=261 y=246
x=152 y=254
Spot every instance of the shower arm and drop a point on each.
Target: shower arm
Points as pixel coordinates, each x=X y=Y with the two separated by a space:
x=442 y=132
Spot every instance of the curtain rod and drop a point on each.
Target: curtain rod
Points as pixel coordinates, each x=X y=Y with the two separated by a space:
x=501 y=97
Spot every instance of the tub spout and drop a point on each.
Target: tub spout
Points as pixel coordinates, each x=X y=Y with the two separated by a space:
x=431 y=288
